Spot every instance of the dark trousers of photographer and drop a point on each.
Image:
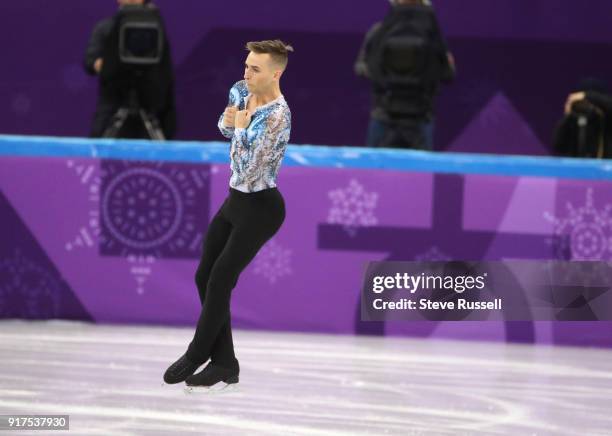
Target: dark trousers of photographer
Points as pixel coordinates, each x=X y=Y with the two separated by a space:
x=411 y=133
x=101 y=121
x=133 y=127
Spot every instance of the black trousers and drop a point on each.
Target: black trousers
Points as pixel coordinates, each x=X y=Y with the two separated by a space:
x=243 y=224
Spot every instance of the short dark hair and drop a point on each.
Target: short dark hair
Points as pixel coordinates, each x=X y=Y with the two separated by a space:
x=277 y=49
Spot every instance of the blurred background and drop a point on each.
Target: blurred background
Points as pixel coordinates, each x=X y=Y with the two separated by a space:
x=517 y=60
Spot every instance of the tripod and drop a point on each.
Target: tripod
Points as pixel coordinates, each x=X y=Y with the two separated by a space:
x=134 y=109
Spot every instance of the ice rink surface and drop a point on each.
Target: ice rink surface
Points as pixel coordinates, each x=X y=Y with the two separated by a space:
x=108 y=378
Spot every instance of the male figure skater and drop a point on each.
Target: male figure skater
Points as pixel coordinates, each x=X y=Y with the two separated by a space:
x=258 y=121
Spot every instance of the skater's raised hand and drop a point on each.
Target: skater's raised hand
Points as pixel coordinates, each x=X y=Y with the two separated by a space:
x=243 y=119
x=229 y=116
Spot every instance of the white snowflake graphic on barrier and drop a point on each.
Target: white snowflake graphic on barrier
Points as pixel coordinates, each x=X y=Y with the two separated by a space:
x=273 y=261
x=585 y=232
x=352 y=207
x=87 y=235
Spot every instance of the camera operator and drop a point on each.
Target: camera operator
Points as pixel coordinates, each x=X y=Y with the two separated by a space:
x=586 y=129
x=405 y=58
x=101 y=59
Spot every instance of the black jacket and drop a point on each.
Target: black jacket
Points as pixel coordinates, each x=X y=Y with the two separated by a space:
x=110 y=98
x=429 y=25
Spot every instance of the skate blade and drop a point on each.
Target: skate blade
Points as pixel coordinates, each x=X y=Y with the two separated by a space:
x=219 y=388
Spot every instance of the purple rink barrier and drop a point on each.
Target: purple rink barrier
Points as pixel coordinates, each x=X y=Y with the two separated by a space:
x=110 y=231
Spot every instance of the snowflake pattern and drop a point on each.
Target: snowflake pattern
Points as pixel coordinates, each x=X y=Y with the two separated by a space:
x=585 y=233
x=352 y=207
x=88 y=234
x=27 y=289
x=273 y=261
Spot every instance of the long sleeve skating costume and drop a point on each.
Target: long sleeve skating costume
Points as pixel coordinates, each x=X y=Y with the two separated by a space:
x=257 y=151
x=251 y=214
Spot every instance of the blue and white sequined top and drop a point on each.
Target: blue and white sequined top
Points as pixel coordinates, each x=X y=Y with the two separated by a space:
x=257 y=151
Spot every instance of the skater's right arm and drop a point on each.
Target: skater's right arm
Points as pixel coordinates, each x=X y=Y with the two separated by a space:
x=227 y=118
x=226 y=121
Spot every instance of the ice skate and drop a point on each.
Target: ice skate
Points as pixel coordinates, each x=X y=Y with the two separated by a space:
x=180 y=370
x=213 y=379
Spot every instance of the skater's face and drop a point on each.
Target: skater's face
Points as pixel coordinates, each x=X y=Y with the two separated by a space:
x=261 y=73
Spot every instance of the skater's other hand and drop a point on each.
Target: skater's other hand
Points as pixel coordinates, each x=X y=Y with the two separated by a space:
x=229 y=116
x=243 y=119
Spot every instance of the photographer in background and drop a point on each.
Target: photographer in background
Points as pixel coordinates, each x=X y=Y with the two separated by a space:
x=586 y=129
x=405 y=57
x=122 y=87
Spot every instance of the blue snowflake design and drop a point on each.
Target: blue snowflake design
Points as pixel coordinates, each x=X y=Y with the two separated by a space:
x=256 y=152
